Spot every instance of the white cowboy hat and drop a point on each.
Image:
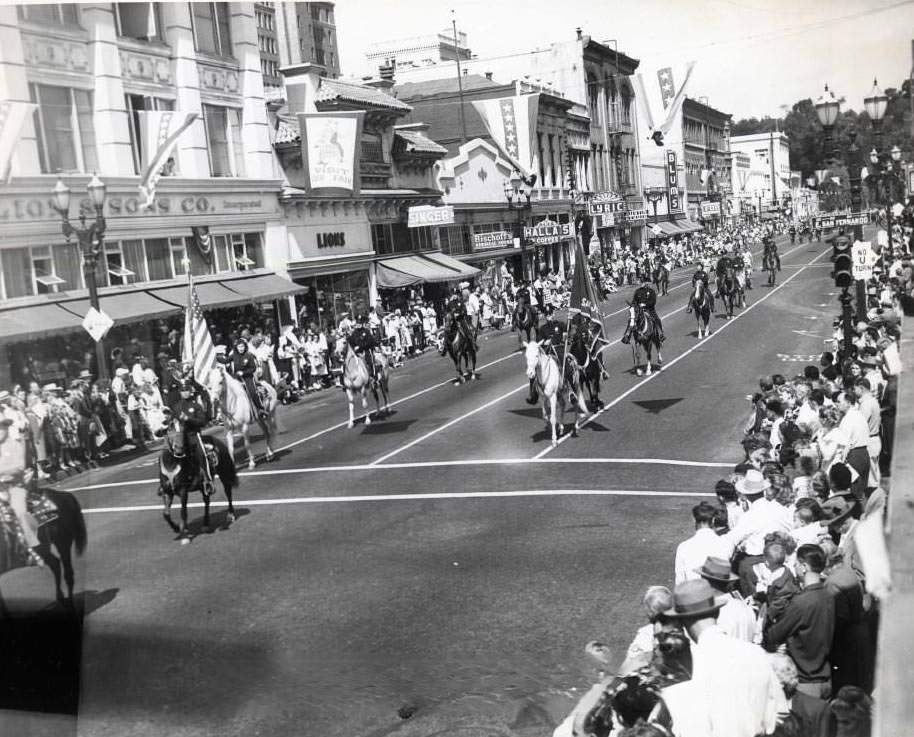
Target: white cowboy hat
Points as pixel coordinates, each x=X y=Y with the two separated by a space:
x=753 y=483
x=121 y=372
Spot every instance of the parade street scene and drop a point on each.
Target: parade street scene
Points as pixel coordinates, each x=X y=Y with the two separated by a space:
x=424 y=369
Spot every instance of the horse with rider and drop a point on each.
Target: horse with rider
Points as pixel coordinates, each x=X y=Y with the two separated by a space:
x=460 y=338
x=364 y=367
x=729 y=288
x=644 y=326
x=771 y=259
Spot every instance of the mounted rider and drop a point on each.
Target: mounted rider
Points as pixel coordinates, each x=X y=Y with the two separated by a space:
x=363 y=342
x=701 y=275
x=771 y=250
x=192 y=417
x=591 y=332
x=458 y=320
x=746 y=257
x=646 y=297
x=244 y=367
x=14 y=477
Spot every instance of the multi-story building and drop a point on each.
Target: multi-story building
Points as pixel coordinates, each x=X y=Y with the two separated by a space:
x=419 y=51
x=305 y=34
x=90 y=71
x=596 y=77
x=268 y=43
x=691 y=172
x=350 y=249
x=769 y=169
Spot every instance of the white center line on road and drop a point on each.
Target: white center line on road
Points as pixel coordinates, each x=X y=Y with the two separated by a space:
x=678 y=358
x=410 y=497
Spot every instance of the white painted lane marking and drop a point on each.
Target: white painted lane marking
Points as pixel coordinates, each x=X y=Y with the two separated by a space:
x=678 y=358
x=409 y=497
x=441 y=464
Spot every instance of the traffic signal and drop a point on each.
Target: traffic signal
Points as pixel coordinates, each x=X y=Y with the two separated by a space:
x=844 y=265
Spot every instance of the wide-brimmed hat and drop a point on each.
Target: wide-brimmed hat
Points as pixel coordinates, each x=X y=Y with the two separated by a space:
x=52 y=387
x=838 y=508
x=753 y=483
x=85 y=374
x=121 y=371
x=693 y=600
x=717 y=569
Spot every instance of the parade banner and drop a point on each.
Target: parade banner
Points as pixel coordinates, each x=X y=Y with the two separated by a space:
x=661 y=103
x=13 y=115
x=489 y=241
x=159 y=132
x=421 y=215
x=584 y=300
x=511 y=121
x=330 y=145
x=842 y=221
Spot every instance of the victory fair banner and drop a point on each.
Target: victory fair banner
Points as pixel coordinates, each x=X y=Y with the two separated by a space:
x=330 y=147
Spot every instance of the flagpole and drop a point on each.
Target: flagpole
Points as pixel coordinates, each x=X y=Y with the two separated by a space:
x=190 y=317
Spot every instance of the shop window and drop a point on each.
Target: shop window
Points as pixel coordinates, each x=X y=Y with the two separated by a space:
x=140 y=21
x=422 y=239
x=178 y=249
x=158 y=259
x=210 y=23
x=68 y=265
x=63 y=124
x=17 y=269
x=135 y=105
x=44 y=280
x=382 y=239
x=58 y=14
x=223 y=141
x=372 y=148
x=455 y=239
x=118 y=273
x=134 y=259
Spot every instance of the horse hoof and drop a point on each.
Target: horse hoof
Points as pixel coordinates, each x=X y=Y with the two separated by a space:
x=367 y=420
x=350 y=424
x=230 y=517
x=555 y=443
x=252 y=465
x=475 y=377
x=185 y=541
x=640 y=372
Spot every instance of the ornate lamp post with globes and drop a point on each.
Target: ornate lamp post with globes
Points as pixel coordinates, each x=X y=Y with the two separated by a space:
x=516 y=186
x=89 y=240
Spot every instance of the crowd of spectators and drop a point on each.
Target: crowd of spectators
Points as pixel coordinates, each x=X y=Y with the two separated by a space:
x=769 y=627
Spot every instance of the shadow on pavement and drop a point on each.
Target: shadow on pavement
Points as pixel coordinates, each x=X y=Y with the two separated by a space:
x=383 y=427
x=218 y=521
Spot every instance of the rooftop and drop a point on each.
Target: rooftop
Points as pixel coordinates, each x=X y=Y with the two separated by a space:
x=412 y=90
x=337 y=90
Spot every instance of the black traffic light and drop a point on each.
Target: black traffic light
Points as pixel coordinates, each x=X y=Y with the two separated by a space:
x=844 y=265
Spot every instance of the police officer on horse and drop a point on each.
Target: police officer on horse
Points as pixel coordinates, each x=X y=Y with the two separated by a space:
x=459 y=320
x=192 y=414
x=646 y=297
x=362 y=340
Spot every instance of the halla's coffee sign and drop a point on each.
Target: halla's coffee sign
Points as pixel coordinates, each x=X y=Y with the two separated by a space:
x=331 y=240
x=672 y=182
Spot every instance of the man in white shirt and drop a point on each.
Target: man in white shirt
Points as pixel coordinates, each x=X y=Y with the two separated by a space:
x=704 y=544
x=736 y=618
x=854 y=425
x=748 y=536
x=733 y=691
x=808 y=414
x=872 y=412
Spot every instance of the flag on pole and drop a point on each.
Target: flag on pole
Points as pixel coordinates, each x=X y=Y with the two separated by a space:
x=511 y=121
x=584 y=298
x=13 y=115
x=663 y=103
x=159 y=132
x=198 y=347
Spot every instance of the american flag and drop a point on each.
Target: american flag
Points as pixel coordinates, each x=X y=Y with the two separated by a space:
x=667 y=87
x=198 y=345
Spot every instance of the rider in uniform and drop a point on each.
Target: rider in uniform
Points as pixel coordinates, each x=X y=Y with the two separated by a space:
x=363 y=342
x=244 y=367
x=702 y=275
x=772 y=248
x=460 y=321
x=193 y=417
x=646 y=297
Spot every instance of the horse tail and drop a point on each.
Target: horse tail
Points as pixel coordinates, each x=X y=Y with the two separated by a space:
x=71 y=516
x=225 y=469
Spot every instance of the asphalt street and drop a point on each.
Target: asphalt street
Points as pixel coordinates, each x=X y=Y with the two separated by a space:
x=445 y=561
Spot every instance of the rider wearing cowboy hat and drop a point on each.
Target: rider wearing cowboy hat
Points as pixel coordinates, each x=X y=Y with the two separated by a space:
x=646 y=297
x=244 y=367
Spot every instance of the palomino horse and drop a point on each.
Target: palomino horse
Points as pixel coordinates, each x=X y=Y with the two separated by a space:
x=238 y=414
x=524 y=321
x=65 y=531
x=557 y=394
x=770 y=264
x=661 y=276
x=645 y=336
x=700 y=301
x=181 y=472
x=461 y=349
x=357 y=381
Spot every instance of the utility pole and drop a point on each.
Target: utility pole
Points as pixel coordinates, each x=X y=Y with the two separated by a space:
x=463 y=121
x=774 y=186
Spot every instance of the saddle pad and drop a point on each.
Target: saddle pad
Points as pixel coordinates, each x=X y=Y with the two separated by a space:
x=41 y=508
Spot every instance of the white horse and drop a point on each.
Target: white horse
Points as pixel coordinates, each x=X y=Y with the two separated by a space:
x=357 y=381
x=238 y=414
x=557 y=394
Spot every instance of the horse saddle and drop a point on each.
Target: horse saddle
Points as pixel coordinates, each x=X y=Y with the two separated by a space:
x=41 y=508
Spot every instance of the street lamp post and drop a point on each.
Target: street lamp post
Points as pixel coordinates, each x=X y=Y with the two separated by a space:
x=89 y=241
x=516 y=186
x=654 y=195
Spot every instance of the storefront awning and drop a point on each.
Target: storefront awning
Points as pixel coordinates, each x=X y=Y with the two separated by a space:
x=211 y=294
x=264 y=287
x=36 y=321
x=407 y=270
x=687 y=226
x=667 y=228
x=127 y=307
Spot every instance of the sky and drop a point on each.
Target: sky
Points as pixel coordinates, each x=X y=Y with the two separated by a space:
x=752 y=56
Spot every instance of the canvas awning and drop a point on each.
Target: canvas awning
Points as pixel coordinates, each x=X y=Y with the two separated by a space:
x=687 y=226
x=667 y=228
x=405 y=271
x=36 y=321
x=127 y=307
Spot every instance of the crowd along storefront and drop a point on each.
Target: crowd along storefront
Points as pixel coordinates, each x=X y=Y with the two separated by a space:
x=212 y=228
x=618 y=222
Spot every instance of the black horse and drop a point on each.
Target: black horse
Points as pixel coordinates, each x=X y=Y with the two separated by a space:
x=181 y=472
x=770 y=264
x=63 y=532
x=729 y=288
x=661 y=278
x=460 y=347
x=524 y=320
x=591 y=368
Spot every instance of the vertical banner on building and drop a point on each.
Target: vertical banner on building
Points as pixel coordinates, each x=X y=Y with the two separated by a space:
x=331 y=147
x=660 y=104
x=511 y=121
x=672 y=182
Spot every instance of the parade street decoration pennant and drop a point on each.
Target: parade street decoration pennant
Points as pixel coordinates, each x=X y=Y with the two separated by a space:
x=97 y=324
x=203 y=241
x=330 y=148
x=13 y=115
x=661 y=104
x=159 y=132
x=511 y=122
